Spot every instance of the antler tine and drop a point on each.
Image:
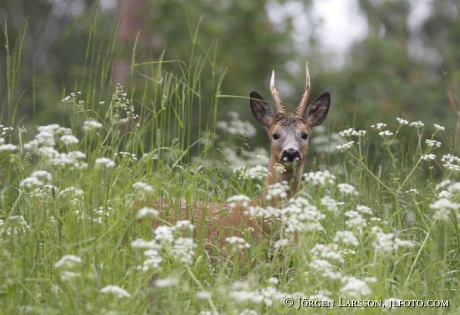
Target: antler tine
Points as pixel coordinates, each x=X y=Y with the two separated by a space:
x=276 y=96
x=303 y=102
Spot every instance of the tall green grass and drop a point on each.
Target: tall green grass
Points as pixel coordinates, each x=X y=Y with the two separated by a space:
x=385 y=236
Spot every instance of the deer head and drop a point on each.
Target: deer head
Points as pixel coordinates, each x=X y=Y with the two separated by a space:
x=289 y=133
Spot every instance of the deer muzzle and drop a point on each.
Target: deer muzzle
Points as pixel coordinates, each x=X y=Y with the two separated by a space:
x=290 y=155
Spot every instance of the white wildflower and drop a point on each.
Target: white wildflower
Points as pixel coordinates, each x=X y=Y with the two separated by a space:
x=387 y=242
x=184 y=224
x=428 y=157
x=351 y=132
x=127 y=155
x=320 y=178
x=239 y=242
x=152 y=262
x=281 y=243
x=68 y=261
x=300 y=215
x=386 y=133
x=255 y=172
x=417 y=124
x=443 y=184
x=432 y=143
x=68 y=275
x=277 y=190
x=105 y=162
x=30 y=182
x=167 y=282
x=438 y=127
x=164 y=233
x=273 y=281
x=347 y=189
x=145 y=211
x=183 y=250
x=203 y=295
x=346 y=146
x=141 y=243
x=454 y=188
x=238 y=200
x=355 y=288
x=402 y=121
x=325 y=269
x=443 y=208
x=379 y=126
x=43 y=175
x=236 y=126
x=363 y=209
x=91 y=124
x=280 y=168
x=412 y=191
x=451 y=162
x=355 y=221
x=444 y=194
x=329 y=203
x=69 y=139
x=115 y=290
x=18 y=225
x=8 y=147
x=71 y=191
x=143 y=186
x=346 y=237
x=329 y=251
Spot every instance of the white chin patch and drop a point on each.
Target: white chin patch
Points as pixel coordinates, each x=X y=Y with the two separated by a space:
x=286 y=159
x=288 y=163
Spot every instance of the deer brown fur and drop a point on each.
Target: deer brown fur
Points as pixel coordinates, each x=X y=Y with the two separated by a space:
x=289 y=135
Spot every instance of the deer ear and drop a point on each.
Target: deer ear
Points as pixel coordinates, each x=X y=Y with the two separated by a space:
x=317 y=111
x=261 y=110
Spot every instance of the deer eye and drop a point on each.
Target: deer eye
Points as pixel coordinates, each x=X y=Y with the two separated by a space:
x=276 y=136
x=304 y=136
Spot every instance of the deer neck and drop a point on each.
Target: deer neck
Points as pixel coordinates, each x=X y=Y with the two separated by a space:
x=292 y=176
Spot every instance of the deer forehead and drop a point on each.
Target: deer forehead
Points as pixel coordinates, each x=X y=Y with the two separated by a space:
x=290 y=125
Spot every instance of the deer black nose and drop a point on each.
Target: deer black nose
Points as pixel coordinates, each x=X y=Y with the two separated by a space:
x=290 y=155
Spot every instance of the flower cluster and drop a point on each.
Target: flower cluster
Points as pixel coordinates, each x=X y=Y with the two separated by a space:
x=238 y=242
x=90 y=125
x=120 y=101
x=387 y=242
x=3 y=146
x=278 y=190
x=46 y=139
x=65 y=264
x=16 y=225
x=236 y=126
x=119 y=292
x=167 y=240
x=451 y=162
x=255 y=172
x=433 y=143
x=143 y=187
x=351 y=132
x=320 y=178
x=36 y=179
x=345 y=147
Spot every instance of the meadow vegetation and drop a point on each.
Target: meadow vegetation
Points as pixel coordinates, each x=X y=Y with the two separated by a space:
x=376 y=218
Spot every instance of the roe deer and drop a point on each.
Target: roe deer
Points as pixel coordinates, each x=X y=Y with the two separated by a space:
x=289 y=135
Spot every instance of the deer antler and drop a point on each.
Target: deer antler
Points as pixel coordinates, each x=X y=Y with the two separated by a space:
x=276 y=96
x=300 y=109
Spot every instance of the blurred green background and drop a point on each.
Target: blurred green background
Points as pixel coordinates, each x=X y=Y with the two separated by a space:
x=380 y=59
